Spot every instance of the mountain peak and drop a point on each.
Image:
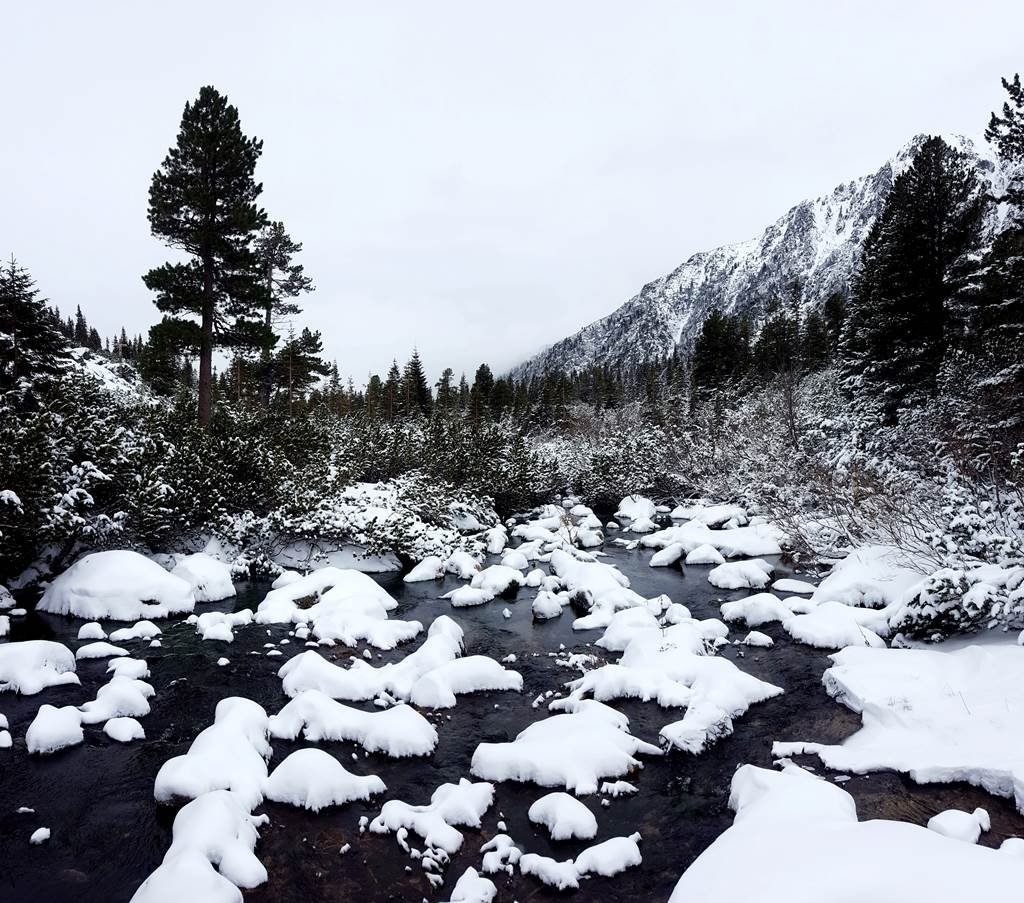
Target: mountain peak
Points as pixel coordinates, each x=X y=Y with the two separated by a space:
x=817 y=242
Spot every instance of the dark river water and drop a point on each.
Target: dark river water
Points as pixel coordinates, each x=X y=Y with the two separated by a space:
x=109 y=834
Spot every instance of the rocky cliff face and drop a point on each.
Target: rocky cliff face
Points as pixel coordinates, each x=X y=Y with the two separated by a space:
x=817 y=242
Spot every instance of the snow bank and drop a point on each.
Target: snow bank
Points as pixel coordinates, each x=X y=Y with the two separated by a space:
x=31 y=666
x=564 y=816
x=314 y=779
x=798 y=839
x=872 y=576
x=209 y=578
x=118 y=585
x=450 y=806
x=397 y=731
x=572 y=750
x=935 y=716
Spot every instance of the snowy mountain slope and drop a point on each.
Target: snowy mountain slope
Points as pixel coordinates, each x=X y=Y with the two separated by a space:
x=817 y=241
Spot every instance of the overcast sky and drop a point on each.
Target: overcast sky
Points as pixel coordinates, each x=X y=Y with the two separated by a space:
x=477 y=179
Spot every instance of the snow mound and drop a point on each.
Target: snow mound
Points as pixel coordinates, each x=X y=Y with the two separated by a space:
x=872 y=576
x=362 y=681
x=124 y=730
x=230 y=754
x=451 y=806
x=671 y=666
x=209 y=578
x=430 y=568
x=340 y=605
x=117 y=585
x=799 y=840
x=935 y=716
x=573 y=751
x=711 y=515
x=754 y=574
x=755 y=610
x=31 y=666
x=54 y=729
x=959 y=825
x=220 y=625
x=397 y=731
x=141 y=630
x=211 y=854
x=789 y=585
x=122 y=697
x=732 y=542
x=314 y=779
x=91 y=631
x=704 y=554
x=473 y=888
x=498 y=579
x=437 y=688
x=833 y=625
x=99 y=649
x=610 y=857
x=635 y=507
x=564 y=816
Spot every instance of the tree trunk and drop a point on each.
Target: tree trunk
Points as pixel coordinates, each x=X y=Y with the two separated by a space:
x=206 y=349
x=265 y=379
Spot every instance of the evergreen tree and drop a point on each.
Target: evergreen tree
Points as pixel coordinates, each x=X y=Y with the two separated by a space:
x=912 y=266
x=160 y=361
x=299 y=365
x=996 y=322
x=415 y=389
x=447 y=394
x=202 y=200
x=81 y=334
x=31 y=341
x=283 y=280
x=391 y=396
x=463 y=393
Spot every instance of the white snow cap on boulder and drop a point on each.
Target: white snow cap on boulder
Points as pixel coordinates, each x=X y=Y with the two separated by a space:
x=960 y=825
x=313 y=779
x=118 y=585
x=636 y=507
x=209 y=578
x=564 y=816
x=33 y=665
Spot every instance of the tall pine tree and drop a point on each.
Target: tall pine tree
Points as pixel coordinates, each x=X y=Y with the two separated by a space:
x=202 y=200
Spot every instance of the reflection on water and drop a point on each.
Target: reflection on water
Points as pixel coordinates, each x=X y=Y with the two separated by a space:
x=108 y=834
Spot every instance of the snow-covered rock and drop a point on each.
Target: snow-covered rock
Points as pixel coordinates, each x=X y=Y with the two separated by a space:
x=573 y=750
x=31 y=666
x=636 y=507
x=564 y=816
x=117 y=585
x=91 y=631
x=754 y=574
x=211 y=853
x=704 y=554
x=230 y=754
x=99 y=649
x=430 y=568
x=960 y=825
x=54 y=729
x=396 y=731
x=755 y=610
x=124 y=729
x=209 y=578
x=833 y=625
x=141 y=630
x=451 y=806
x=314 y=779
